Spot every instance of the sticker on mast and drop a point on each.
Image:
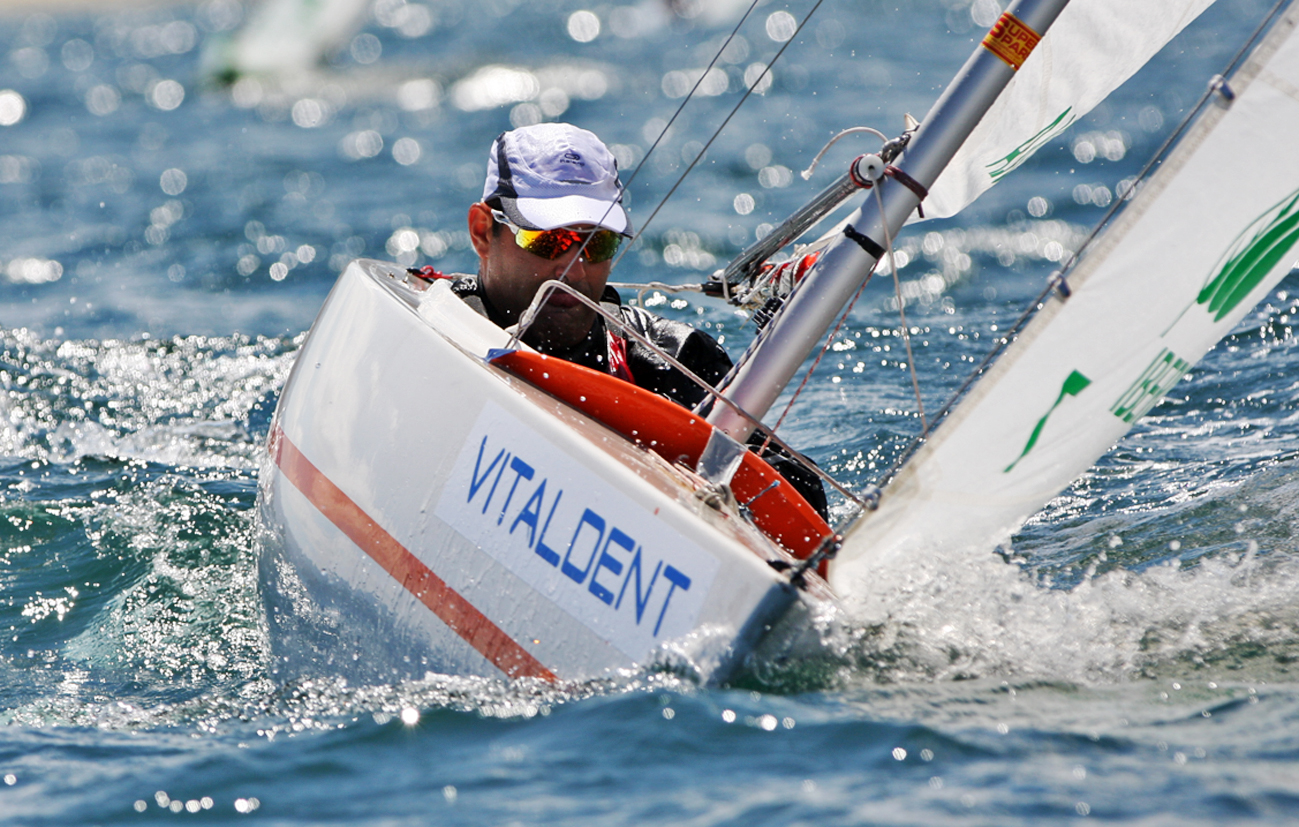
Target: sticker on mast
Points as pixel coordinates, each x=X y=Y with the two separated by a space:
x=1011 y=40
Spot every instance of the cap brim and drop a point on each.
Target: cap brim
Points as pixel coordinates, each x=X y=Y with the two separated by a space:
x=565 y=211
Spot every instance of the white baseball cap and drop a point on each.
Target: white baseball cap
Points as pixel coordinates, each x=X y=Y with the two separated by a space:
x=555 y=175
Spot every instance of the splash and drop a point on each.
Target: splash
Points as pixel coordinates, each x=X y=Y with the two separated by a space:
x=186 y=401
x=1108 y=600
x=126 y=493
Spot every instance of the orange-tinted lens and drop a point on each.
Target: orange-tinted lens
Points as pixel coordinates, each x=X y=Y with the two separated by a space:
x=551 y=244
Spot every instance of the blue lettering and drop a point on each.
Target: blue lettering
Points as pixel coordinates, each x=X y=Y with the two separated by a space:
x=595 y=521
x=547 y=553
x=522 y=471
x=677 y=579
x=475 y=481
x=607 y=562
x=641 y=600
x=495 y=482
x=530 y=515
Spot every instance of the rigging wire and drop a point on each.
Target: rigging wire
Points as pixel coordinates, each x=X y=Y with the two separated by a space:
x=773 y=274
x=642 y=289
x=1057 y=281
x=522 y=327
x=548 y=287
x=747 y=94
x=1212 y=89
x=906 y=338
x=530 y=315
x=721 y=50
x=842 y=318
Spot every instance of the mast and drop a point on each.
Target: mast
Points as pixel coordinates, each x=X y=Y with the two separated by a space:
x=849 y=260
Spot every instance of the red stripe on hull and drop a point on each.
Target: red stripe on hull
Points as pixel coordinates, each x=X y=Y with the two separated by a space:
x=458 y=614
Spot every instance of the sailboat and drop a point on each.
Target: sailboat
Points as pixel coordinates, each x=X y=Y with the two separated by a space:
x=286 y=39
x=560 y=524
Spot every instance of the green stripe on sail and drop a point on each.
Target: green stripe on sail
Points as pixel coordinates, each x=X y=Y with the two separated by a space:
x=1073 y=385
x=1243 y=271
x=999 y=168
x=1260 y=270
x=1243 y=264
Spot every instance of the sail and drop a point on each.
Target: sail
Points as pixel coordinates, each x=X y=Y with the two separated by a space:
x=1202 y=242
x=1090 y=50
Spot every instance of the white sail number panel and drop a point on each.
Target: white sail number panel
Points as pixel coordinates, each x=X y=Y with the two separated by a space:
x=574 y=537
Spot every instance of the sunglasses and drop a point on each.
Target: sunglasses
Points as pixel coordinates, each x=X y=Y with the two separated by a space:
x=601 y=245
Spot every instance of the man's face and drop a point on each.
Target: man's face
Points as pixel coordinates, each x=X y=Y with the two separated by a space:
x=511 y=275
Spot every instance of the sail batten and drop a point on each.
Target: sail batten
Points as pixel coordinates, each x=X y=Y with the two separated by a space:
x=1174 y=273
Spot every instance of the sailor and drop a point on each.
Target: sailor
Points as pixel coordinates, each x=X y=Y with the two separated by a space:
x=552 y=210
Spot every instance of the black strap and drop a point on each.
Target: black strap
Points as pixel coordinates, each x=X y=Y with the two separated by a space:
x=868 y=244
x=911 y=184
x=907 y=181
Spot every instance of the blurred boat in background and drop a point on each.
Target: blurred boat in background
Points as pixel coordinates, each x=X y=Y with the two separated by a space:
x=285 y=39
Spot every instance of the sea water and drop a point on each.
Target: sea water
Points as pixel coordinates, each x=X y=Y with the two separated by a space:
x=1129 y=656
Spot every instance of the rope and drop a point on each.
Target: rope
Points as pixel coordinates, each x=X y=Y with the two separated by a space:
x=853 y=130
x=902 y=313
x=906 y=337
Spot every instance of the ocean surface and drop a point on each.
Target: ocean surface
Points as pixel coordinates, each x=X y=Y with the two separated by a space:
x=1130 y=657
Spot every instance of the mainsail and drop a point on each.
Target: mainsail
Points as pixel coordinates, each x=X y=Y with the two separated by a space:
x=1092 y=48
x=1202 y=242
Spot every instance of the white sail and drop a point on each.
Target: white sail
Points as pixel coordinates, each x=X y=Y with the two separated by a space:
x=1092 y=48
x=1204 y=240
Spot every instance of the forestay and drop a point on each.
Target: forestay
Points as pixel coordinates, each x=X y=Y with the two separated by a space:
x=1203 y=241
x=1092 y=48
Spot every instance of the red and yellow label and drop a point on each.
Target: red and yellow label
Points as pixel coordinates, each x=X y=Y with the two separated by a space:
x=1011 y=40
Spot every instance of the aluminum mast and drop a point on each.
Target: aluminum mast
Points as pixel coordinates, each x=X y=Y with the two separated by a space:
x=843 y=267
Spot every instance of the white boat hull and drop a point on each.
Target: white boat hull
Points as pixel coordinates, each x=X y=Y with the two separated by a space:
x=425 y=511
